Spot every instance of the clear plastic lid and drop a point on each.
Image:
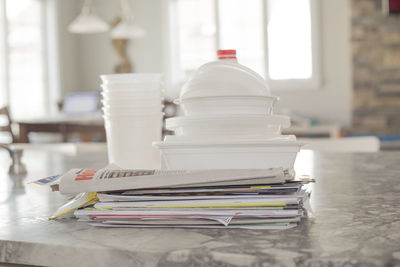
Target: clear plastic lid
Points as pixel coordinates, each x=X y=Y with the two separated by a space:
x=224 y=77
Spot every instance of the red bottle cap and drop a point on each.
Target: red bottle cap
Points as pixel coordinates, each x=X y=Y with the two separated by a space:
x=226 y=54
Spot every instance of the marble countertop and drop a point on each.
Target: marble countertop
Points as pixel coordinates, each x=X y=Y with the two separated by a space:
x=356 y=201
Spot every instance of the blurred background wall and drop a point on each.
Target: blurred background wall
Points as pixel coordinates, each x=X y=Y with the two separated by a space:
x=358 y=53
x=85 y=57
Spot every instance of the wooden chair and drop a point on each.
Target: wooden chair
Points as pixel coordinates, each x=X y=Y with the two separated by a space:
x=7 y=128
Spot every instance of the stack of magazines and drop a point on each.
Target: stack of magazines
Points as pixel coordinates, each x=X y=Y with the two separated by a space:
x=251 y=199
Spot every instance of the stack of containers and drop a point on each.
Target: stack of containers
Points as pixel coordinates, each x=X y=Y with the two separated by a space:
x=228 y=122
x=132 y=110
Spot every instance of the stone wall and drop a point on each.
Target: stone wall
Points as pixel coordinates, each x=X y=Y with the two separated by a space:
x=375 y=42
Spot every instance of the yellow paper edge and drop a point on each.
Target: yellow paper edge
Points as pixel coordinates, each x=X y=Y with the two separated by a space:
x=91 y=197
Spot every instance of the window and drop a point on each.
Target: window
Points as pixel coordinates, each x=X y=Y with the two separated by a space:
x=23 y=44
x=276 y=38
x=241 y=28
x=196 y=39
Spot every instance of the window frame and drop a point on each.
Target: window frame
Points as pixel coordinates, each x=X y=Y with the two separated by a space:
x=4 y=54
x=312 y=83
x=50 y=56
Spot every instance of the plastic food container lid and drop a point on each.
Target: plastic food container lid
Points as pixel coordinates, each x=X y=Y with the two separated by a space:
x=212 y=139
x=258 y=143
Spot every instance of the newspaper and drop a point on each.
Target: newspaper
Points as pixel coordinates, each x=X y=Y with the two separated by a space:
x=99 y=180
x=250 y=199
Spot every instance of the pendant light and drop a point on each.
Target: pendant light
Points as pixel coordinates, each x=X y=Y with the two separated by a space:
x=127 y=28
x=87 y=21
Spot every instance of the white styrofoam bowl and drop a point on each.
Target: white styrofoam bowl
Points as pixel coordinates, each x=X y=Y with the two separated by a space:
x=228 y=125
x=234 y=155
x=228 y=105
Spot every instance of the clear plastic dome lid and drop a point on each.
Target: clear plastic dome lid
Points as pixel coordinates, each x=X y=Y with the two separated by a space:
x=224 y=77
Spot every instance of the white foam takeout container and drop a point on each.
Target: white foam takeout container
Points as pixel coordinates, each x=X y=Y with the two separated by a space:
x=228 y=105
x=228 y=155
x=250 y=126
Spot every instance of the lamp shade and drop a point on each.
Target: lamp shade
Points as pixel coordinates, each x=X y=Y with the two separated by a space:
x=127 y=29
x=88 y=23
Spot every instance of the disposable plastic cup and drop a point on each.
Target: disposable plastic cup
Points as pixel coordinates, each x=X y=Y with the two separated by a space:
x=129 y=141
x=132 y=95
x=133 y=116
x=136 y=115
x=142 y=102
x=130 y=104
x=134 y=101
x=129 y=87
x=145 y=101
x=130 y=78
x=135 y=91
x=132 y=112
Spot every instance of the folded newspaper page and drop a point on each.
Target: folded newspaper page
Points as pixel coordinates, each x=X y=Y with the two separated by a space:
x=249 y=199
x=99 y=180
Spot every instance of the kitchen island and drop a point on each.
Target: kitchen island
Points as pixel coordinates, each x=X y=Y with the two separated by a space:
x=356 y=201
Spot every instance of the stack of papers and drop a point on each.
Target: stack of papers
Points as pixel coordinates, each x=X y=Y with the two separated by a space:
x=251 y=199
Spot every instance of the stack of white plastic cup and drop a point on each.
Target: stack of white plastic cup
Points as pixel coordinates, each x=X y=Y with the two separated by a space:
x=132 y=108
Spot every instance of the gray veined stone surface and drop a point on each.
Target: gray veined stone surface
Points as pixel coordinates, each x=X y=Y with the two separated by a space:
x=356 y=201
